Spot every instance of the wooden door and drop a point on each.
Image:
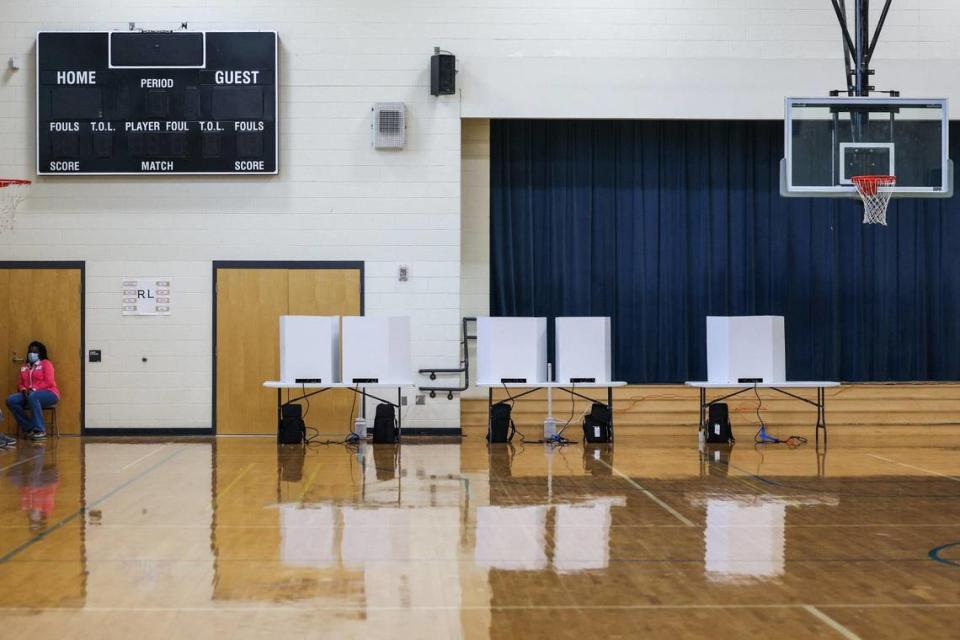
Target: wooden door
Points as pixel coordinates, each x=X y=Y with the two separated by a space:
x=249 y=305
x=44 y=305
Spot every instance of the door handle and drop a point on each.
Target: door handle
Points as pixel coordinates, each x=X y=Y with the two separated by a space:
x=15 y=359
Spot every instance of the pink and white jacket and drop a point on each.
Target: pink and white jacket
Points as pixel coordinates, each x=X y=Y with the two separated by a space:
x=38 y=377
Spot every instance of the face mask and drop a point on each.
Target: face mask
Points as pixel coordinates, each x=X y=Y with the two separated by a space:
x=33 y=358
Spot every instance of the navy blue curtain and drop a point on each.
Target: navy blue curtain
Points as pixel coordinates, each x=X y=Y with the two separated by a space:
x=661 y=223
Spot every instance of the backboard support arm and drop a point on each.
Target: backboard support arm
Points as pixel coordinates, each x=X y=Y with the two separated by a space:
x=876 y=33
x=847 y=67
x=860 y=46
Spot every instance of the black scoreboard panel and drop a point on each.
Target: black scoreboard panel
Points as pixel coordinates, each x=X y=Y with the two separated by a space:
x=179 y=102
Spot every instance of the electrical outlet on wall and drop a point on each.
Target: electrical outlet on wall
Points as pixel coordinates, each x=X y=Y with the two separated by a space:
x=421 y=398
x=403 y=273
x=403 y=401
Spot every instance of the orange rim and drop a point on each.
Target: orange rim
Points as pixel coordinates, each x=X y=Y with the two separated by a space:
x=10 y=182
x=868 y=185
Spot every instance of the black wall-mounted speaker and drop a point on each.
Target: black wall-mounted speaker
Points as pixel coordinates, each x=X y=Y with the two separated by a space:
x=443 y=74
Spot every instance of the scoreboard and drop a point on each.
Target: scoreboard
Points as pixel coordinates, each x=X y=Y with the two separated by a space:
x=155 y=102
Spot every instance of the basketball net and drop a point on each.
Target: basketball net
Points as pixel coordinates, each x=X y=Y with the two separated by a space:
x=11 y=193
x=875 y=191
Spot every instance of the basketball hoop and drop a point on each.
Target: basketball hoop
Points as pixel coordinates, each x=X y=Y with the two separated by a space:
x=12 y=191
x=875 y=191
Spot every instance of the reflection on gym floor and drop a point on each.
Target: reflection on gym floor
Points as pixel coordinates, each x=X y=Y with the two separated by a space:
x=242 y=538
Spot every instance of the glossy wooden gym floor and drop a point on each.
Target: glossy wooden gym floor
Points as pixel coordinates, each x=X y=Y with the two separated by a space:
x=234 y=538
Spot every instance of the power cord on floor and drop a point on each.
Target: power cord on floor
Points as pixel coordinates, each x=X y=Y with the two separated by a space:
x=350 y=440
x=762 y=437
x=573 y=406
x=513 y=426
x=555 y=439
x=307 y=399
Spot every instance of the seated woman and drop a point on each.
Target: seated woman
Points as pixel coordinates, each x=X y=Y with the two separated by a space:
x=36 y=391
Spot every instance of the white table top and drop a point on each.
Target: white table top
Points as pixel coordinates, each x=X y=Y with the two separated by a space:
x=280 y=384
x=552 y=385
x=804 y=384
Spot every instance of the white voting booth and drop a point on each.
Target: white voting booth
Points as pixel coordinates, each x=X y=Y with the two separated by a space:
x=741 y=348
x=377 y=349
x=583 y=349
x=310 y=348
x=747 y=352
x=511 y=349
x=362 y=353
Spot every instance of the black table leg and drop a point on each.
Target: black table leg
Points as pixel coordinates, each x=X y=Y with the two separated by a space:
x=821 y=459
x=610 y=407
x=822 y=414
x=489 y=408
x=703 y=406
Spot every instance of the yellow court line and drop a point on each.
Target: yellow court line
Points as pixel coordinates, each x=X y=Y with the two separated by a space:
x=914 y=467
x=309 y=482
x=234 y=482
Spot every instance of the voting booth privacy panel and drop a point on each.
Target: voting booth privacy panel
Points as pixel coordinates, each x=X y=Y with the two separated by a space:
x=515 y=350
x=310 y=348
x=377 y=350
x=511 y=350
x=582 y=350
x=745 y=349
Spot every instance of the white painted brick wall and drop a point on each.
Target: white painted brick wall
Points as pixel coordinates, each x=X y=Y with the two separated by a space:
x=336 y=199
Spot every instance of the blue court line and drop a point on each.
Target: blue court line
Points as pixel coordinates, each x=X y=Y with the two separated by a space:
x=935 y=554
x=24 y=461
x=82 y=510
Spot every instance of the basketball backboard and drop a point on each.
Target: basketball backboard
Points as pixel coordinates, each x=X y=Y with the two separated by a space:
x=828 y=141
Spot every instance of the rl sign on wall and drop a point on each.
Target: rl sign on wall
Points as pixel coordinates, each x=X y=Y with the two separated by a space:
x=146 y=297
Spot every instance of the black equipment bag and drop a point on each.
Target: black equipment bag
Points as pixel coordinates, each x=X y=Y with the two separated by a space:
x=718 y=429
x=597 y=425
x=501 y=427
x=292 y=429
x=385 y=424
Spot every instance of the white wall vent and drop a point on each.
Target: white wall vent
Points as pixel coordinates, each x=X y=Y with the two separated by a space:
x=389 y=125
